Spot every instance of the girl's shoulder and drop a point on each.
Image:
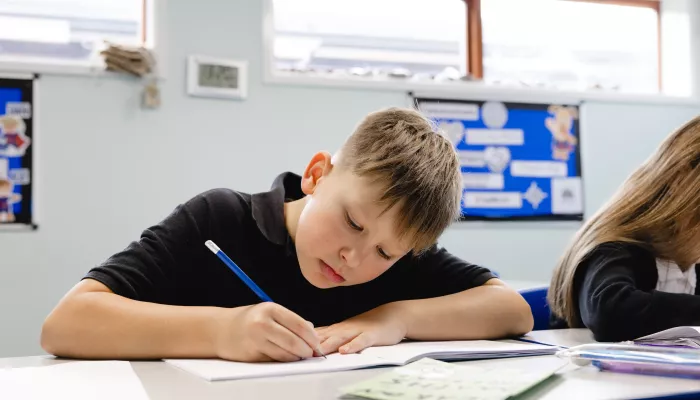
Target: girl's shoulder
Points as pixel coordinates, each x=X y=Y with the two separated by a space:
x=617 y=250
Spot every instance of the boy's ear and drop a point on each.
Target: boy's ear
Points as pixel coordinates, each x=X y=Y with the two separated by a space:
x=318 y=168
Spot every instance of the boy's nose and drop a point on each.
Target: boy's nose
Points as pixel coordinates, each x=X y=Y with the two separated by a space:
x=351 y=257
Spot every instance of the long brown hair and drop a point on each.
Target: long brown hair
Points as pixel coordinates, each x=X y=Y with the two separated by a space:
x=657 y=207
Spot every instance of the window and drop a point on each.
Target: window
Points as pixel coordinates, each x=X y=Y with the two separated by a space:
x=604 y=45
x=571 y=45
x=67 y=31
x=395 y=37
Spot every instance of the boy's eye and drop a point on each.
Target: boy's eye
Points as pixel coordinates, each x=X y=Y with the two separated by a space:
x=382 y=254
x=352 y=223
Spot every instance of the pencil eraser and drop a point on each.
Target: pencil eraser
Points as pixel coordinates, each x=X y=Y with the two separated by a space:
x=214 y=248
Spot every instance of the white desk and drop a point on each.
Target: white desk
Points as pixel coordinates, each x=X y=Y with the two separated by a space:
x=163 y=381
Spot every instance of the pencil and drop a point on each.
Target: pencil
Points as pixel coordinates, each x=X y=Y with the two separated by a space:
x=242 y=275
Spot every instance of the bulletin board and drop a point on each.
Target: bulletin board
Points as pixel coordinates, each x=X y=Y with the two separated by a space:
x=519 y=161
x=16 y=148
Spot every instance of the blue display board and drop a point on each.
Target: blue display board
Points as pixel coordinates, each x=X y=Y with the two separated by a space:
x=519 y=161
x=16 y=146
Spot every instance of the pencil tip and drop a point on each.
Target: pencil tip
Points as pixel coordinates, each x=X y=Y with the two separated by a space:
x=321 y=353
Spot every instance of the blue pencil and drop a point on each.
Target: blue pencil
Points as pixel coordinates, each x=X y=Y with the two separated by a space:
x=242 y=275
x=232 y=265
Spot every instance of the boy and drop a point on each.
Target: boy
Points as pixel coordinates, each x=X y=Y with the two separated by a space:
x=321 y=245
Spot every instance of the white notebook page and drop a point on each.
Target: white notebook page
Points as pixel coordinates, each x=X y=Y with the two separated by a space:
x=400 y=354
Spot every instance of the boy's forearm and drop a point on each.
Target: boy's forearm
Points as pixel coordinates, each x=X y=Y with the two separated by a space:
x=485 y=312
x=104 y=325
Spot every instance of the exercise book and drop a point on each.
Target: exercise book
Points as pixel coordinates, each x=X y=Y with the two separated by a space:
x=397 y=355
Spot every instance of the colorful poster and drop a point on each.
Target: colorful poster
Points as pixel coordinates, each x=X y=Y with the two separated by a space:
x=16 y=145
x=519 y=161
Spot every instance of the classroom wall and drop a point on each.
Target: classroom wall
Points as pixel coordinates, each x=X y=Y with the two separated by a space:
x=108 y=169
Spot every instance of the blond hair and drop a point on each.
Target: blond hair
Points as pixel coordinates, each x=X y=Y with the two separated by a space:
x=417 y=167
x=657 y=208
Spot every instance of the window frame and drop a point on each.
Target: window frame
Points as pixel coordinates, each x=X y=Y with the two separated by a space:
x=151 y=32
x=474 y=67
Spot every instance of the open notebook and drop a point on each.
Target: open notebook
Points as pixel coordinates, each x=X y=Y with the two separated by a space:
x=400 y=354
x=680 y=336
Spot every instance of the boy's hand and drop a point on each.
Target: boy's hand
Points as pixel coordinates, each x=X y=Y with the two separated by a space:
x=264 y=332
x=382 y=326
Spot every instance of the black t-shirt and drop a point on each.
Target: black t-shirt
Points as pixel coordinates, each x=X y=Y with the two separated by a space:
x=617 y=297
x=170 y=264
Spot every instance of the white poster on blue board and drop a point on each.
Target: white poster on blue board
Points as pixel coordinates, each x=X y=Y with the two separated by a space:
x=518 y=160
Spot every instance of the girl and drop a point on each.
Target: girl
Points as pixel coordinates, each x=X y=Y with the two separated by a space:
x=631 y=269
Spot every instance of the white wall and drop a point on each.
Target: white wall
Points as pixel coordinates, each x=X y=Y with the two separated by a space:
x=109 y=169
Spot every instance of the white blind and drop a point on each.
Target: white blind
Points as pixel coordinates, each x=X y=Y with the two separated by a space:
x=377 y=35
x=67 y=29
